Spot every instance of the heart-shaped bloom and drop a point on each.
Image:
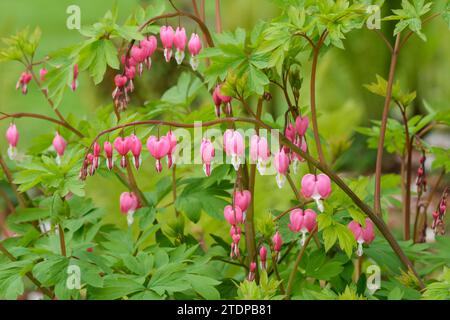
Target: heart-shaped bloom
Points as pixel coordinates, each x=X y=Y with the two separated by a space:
x=107 y=146
x=259 y=152
x=12 y=136
x=301 y=124
x=129 y=202
x=263 y=257
x=96 y=149
x=149 y=45
x=242 y=199
x=179 y=41
x=316 y=187
x=301 y=144
x=290 y=132
x=302 y=221
x=173 y=144
x=235 y=246
x=194 y=45
x=233 y=217
x=207 y=152
x=167 y=35
x=281 y=162
x=122 y=146
x=362 y=234
x=220 y=99
x=136 y=148
x=59 y=144
x=23 y=82
x=158 y=148
x=233 y=143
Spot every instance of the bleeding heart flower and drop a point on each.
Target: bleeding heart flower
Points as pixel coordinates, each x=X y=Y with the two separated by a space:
x=242 y=199
x=23 y=82
x=122 y=146
x=207 y=152
x=107 y=146
x=290 y=132
x=149 y=46
x=60 y=146
x=173 y=144
x=302 y=221
x=277 y=243
x=167 y=36
x=233 y=217
x=194 y=45
x=235 y=246
x=281 y=162
x=136 y=148
x=301 y=124
x=263 y=257
x=259 y=152
x=220 y=99
x=12 y=136
x=362 y=235
x=301 y=144
x=129 y=202
x=158 y=148
x=234 y=147
x=316 y=187
x=179 y=40
x=96 y=149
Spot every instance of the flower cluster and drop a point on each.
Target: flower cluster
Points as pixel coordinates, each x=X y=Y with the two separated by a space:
x=140 y=56
x=439 y=213
x=158 y=146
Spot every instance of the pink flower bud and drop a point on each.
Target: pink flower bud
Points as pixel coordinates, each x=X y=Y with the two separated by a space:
x=75 y=77
x=59 y=144
x=207 y=152
x=23 y=82
x=277 y=242
x=12 y=136
x=263 y=257
x=96 y=150
x=233 y=217
x=173 y=144
x=281 y=162
x=158 y=148
x=42 y=73
x=107 y=146
x=194 y=45
x=252 y=271
x=301 y=124
x=290 y=132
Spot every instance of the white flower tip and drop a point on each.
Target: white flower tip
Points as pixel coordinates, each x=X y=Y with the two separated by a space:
x=281 y=179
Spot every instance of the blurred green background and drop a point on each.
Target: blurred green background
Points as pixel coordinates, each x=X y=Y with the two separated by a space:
x=343 y=102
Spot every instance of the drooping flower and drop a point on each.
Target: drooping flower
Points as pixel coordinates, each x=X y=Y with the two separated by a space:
x=136 y=148
x=242 y=199
x=166 y=34
x=120 y=81
x=302 y=221
x=149 y=45
x=438 y=215
x=301 y=124
x=235 y=246
x=281 y=162
x=233 y=217
x=129 y=202
x=220 y=99
x=263 y=257
x=130 y=73
x=194 y=45
x=277 y=243
x=234 y=147
x=59 y=144
x=179 y=41
x=107 y=146
x=158 y=148
x=173 y=144
x=259 y=152
x=74 y=84
x=12 y=136
x=362 y=234
x=296 y=158
x=122 y=146
x=90 y=163
x=208 y=153
x=290 y=132
x=316 y=187
x=23 y=82
x=96 y=149
x=252 y=271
